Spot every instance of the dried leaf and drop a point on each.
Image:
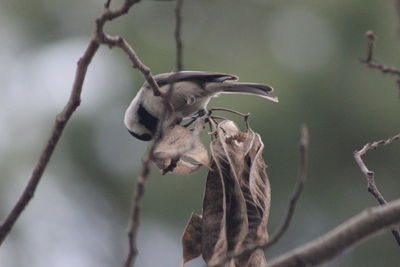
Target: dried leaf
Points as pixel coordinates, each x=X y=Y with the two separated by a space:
x=191 y=239
x=180 y=142
x=239 y=160
x=236 y=199
x=179 y=167
x=256 y=259
x=256 y=188
x=214 y=213
x=228 y=153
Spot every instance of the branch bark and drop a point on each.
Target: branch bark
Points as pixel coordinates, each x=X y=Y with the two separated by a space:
x=370 y=175
x=177 y=34
x=374 y=64
x=99 y=37
x=60 y=123
x=301 y=177
x=350 y=233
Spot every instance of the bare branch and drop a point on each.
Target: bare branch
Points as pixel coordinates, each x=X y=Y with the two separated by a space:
x=397 y=7
x=245 y=116
x=370 y=175
x=350 y=233
x=372 y=63
x=120 y=42
x=301 y=177
x=142 y=178
x=107 y=4
x=177 y=34
x=60 y=123
x=136 y=207
x=99 y=38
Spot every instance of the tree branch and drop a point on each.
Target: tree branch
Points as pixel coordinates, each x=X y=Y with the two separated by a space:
x=137 y=199
x=350 y=233
x=177 y=34
x=301 y=177
x=372 y=63
x=98 y=38
x=370 y=175
x=47 y=152
x=136 y=208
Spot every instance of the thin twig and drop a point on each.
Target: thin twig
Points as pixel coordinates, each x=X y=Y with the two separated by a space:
x=245 y=116
x=142 y=178
x=136 y=207
x=397 y=7
x=214 y=117
x=139 y=193
x=301 y=177
x=370 y=175
x=119 y=41
x=177 y=34
x=350 y=233
x=373 y=64
x=107 y=4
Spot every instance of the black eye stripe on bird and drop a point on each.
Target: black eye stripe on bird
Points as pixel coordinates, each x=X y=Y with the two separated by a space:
x=147 y=120
x=192 y=92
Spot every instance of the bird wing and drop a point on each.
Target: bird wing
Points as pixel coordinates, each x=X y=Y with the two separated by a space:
x=199 y=76
x=184 y=94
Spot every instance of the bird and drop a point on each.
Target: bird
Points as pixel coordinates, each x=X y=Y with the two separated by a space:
x=192 y=90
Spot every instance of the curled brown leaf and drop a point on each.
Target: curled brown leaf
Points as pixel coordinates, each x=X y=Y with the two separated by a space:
x=237 y=198
x=176 y=143
x=191 y=238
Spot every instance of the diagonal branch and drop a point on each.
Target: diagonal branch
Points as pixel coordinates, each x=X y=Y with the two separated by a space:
x=370 y=175
x=350 y=233
x=99 y=37
x=59 y=125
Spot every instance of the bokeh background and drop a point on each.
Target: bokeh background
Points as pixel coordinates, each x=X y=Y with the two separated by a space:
x=308 y=50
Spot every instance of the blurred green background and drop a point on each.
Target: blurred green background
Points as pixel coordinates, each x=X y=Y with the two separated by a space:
x=307 y=50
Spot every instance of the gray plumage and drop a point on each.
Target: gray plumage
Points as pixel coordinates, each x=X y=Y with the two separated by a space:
x=192 y=92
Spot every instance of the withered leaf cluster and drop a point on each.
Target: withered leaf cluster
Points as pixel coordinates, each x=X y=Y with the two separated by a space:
x=236 y=202
x=176 y=144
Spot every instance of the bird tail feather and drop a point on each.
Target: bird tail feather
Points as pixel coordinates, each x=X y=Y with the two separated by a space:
x=261 y=90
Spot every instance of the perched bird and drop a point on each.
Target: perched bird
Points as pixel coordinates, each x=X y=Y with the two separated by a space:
x=190 y=96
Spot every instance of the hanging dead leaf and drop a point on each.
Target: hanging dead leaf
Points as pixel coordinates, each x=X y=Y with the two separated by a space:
x=256 y=189
x=237 y=198
x=227 y=152
x=191 y=238
x=178 y=142
x=260 y=191
x=177 y=167
x=214 y=242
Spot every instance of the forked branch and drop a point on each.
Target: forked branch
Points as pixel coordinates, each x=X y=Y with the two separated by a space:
x=99 y=37
x=370 y=175
x=370 y=61
x=59 y=125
